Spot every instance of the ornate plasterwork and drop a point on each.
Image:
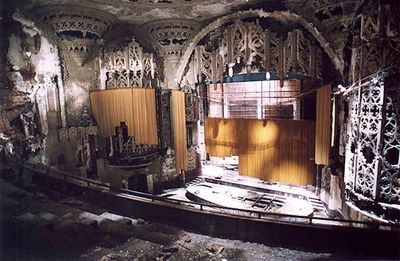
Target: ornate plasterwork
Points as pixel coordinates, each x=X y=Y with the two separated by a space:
x=376 y=41
x=352 y=136
x=79 y=49
x=165 y=108
x=168 y=36
x=73 y=18
x=143 y=11
x=191 y=107
x=77 y=133
x=278 y=16
x=254 y=49
x=77 y=28
x=128 y=148
x=127 y=66
x=390 y=169
x=370 y=125
x=372 y=154
x=373 y=146
x=192 y=156
x=326 y=179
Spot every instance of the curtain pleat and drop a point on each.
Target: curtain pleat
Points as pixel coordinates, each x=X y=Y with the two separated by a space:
x=323 y=121
x=135 y=107
x=273 y=150
x=179 y=128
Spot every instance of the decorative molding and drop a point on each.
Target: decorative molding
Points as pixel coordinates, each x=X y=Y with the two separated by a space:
x=326 y=179
x=77 y=133
x=191 y=158
x=390 y=169
x=277 y=15
x=128 y=148
x=169 y=36
x=372 y=162
x=74 y=18
x=166 y=118
x=376 y=41
x=191 y=107
x=78 y=28
x=249 y=48
x=128 y=66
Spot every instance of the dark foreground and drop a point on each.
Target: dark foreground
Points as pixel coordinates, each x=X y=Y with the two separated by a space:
x=47 y=223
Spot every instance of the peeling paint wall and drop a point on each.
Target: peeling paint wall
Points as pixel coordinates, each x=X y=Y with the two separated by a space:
x=79 y=81
x=34 y=76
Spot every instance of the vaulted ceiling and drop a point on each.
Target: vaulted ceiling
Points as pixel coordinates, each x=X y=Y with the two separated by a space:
x=332 y=18
x=142 y=11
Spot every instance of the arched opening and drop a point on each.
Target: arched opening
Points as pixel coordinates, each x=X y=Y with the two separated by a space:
x=257 y=79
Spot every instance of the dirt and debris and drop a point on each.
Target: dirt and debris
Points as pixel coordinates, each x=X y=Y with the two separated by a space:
x=36 y=226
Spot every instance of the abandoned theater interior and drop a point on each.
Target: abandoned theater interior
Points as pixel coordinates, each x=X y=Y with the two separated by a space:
x=259 y=120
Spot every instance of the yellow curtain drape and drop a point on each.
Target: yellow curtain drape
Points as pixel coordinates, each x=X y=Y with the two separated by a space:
x=273 y=150
x=144 y=115
x=179 y=127
x=135 y=107
x=220 y=136
x=322 y=131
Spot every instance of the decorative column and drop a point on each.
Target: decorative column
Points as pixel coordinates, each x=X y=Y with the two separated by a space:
x=78 y=32
x=372 y=149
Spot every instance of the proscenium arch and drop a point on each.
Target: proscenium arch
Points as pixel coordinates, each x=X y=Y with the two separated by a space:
x=277 y=15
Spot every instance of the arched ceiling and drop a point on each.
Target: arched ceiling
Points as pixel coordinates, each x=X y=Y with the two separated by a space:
x=331 y=18
x=143 y=11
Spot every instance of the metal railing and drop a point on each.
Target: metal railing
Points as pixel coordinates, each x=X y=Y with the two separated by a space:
x=311 y=220
x=206 y=207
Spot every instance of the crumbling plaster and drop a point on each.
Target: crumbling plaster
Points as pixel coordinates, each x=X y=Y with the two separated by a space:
x=79 y=81
x=143 y=11
x=76 y=82
x=331 y=36
x=330 y=28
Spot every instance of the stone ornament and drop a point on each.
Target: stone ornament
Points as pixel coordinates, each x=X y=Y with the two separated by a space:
x=372 y=161
x=77 y=28
x=77 y=133
x=128 y=66
x=245 y=47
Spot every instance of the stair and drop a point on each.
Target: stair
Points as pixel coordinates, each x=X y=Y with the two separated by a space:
x=317 y=204
x=193 y=182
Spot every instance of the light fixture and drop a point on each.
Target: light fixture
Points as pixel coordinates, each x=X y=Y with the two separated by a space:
x=267 y=76
x=230 y=71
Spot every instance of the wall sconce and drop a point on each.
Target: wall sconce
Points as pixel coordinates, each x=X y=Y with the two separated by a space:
x=230 y=71
x=268 y=76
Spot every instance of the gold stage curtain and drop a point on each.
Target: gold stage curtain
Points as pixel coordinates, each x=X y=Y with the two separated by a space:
x=220 y=136
x=135 y=107
x=322 y=136
x=273 y=150
x=179 y=126
x=144 y=114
